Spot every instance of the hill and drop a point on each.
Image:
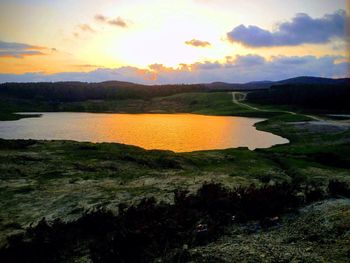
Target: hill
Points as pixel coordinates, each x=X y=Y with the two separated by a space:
x=266 y=84
x=82 y=91
x=117 y=96
x=328 y=96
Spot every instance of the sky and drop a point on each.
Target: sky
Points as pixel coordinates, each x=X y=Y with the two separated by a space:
x=166 y=41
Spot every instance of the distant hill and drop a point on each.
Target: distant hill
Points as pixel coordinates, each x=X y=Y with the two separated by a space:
x=313 y=80
x=118 y=90
x=315 y=93
x=82 y=91
x=266 y=84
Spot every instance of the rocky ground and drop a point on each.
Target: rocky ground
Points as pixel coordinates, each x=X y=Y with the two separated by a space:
x=317 y=233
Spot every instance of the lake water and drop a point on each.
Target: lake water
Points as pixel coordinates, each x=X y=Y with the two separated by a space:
x=176 y=132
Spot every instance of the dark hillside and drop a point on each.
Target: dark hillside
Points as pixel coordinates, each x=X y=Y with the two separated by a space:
x=313 y=80
x=258 y=85
x=308 y=96
x=81 y=91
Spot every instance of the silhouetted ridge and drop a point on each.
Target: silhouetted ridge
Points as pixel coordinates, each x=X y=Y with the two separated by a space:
x=81 y=91
x=313 y=80
x=265 y=84
x=335 y=96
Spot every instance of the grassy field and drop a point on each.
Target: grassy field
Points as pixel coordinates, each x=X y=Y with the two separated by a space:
x=63 y=179
x=212 y=103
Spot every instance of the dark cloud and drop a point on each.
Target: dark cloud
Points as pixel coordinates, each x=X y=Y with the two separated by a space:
x=235 y=69
x=300 y=30
x=19 y=54
x=207 y=65
x=118 y=21
x=10 y=45
x=248 y=60
x=197 y=43
x=19 y=50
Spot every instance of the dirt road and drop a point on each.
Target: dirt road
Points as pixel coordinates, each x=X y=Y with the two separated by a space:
x=239 y=97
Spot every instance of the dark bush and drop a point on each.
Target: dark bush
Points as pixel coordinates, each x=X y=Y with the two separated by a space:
x=336 y=188
x=150 y=230
x=16 y=144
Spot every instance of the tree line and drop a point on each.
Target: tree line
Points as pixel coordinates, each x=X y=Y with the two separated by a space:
x=308 y=96
x=81 y=91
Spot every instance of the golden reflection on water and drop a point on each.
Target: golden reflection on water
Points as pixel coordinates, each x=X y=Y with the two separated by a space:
x=176 y=132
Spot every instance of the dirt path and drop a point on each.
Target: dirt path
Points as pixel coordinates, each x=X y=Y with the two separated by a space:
x=239 y=97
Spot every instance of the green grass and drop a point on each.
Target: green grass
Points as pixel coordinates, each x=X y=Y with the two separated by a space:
x=214 y=103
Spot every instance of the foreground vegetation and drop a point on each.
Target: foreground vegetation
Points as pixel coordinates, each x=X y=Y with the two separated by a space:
x=147 y=231
x=84 y=185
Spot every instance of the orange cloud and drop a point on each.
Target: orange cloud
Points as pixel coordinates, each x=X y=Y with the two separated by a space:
x=37 y=48
x=20 y=54
x=197 y=43
x=160 y=68
x=147 y=75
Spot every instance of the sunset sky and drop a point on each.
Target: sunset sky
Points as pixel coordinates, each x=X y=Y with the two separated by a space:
x=183 y=41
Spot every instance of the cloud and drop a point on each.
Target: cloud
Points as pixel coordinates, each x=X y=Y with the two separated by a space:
x=86 y=28
x=87 y=66
x=238 y=69
x=248 y=61
x=118 y=21
x=101 y=18
x=19 y=50
x=301 y=29
x=197 y=43
x=206 y=65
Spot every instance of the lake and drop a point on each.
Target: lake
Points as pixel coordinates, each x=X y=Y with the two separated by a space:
x=176 y=132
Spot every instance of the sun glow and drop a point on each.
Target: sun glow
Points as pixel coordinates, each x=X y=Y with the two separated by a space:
x=114 y=34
